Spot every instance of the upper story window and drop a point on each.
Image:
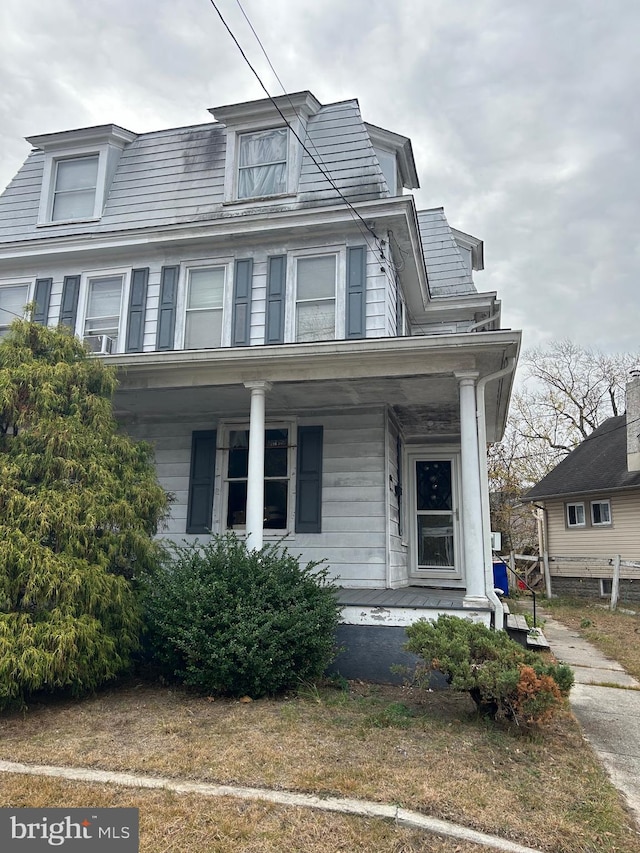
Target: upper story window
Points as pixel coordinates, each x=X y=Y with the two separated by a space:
x=74 y=190
x=78 y=166
x=315 y=304
x=103 y=311
x=204 y=307
x=262 y=163
x=575 y=515
x=600 y=513
x=13 y=298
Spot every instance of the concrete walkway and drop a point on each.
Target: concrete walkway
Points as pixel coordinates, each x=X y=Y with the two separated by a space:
x=342 y=805
x=606 y=702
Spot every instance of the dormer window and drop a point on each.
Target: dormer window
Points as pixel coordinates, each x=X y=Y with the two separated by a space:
x=74 y=192
x=262 y=163
x=77 y=169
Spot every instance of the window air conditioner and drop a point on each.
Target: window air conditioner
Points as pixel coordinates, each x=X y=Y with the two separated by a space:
x=99 y=343
x=496 y=541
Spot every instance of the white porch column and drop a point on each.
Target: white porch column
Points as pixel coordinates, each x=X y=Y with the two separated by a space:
x=473 y=540
x=255 y=475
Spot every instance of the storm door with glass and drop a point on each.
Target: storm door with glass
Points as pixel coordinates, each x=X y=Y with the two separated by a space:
x=435 y=523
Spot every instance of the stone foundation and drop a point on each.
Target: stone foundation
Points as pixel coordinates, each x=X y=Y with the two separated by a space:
x=590 y=588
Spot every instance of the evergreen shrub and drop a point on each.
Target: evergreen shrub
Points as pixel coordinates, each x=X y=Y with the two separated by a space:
x=226 y=620
x=502 y=677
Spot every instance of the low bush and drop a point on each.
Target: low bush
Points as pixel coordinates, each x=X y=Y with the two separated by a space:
x=501 y=677
x=225 y=620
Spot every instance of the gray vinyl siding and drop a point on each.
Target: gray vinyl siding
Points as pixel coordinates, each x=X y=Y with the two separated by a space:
x=623 y=537
x=376 y=283
x=447 y=272
x=176 y=176
x=353 y=540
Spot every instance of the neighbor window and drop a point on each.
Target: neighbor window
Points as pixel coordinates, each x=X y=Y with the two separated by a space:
x=575 y=515
x=276 y=478
x=13 y=298
x=316 y=298
x=600 y=513
x=203 y=312
x=262 y=163
x=74 y=191
x=104 y=300
x=606 y=585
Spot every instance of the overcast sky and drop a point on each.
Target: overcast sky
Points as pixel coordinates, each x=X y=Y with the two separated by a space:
x=524 y=116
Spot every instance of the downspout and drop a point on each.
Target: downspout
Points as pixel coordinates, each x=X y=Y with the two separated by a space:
x=484 y=477
x=484 y=322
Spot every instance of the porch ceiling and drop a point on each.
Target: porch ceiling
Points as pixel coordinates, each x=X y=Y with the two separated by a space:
x=414 y=376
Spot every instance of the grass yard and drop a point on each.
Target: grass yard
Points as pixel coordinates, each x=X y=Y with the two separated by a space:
x=426 y=751
x=616 y=634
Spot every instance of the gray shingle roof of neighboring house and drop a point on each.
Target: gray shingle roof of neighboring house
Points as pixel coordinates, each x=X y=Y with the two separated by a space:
x=176 y=176
x=599 y=464
x=447 y=273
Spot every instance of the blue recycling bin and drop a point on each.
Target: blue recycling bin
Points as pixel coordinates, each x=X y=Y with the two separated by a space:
x=500 y=576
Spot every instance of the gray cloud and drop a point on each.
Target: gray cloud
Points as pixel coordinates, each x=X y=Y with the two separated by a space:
x=523 y=116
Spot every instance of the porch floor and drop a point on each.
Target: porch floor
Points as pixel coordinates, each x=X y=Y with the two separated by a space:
x=419 y=597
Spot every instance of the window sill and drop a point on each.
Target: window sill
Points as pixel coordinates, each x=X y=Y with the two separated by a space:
x=67 y=222
x=261 y=200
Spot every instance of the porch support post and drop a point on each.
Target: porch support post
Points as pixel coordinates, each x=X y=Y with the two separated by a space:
x=255 y=474
x=473 y=541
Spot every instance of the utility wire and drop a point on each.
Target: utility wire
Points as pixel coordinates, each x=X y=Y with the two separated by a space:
x=282 y=116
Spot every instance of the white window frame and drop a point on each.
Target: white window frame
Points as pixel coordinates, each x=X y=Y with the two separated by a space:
x=391 y=160
x=595 y=523
x=29 y=283
x=577 y=525
x=232 y=157
x=83 y=301
x=340 y=254
x=221 y=496
x=606 y=593
x=51 y=160
x=239 y=168
x=435 y=576
x=226 y=263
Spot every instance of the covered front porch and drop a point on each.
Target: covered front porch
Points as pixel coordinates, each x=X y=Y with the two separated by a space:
x=382 y=411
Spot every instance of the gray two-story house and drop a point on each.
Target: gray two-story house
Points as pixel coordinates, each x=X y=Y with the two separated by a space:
x=306 y=351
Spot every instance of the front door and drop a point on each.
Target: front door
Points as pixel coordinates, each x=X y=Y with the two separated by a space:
x=435 y=536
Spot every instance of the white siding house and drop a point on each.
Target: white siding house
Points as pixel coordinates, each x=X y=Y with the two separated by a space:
x=307 y=352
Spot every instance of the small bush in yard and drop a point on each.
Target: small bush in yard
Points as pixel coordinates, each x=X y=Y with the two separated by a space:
x=501 y=677
x=225 y=620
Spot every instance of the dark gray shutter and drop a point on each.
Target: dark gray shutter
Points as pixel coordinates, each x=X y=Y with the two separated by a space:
x=242 y=303
x=201 y=479
x=167 y=308
x=41 y=298
x=69 y=306
x=276 y=283
x=356 y=292
x=309 y=480
x=137 y=307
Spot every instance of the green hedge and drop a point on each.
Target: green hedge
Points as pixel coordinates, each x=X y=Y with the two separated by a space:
x=225 y=620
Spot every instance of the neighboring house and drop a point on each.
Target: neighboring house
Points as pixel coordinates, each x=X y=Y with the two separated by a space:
x=308 y=354
x=590 y=508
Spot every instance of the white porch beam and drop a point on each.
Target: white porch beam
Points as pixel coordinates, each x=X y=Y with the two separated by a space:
x=255 y=474
x=473 y=540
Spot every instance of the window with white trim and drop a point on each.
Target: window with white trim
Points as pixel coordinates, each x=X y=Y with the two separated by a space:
x=104 y=307
x=277 y=478
x=74 y=188
x=204 y=304
x=315 y=301
x=576 y=515
x=601 y=513
x=13 y=298
x=262 y=163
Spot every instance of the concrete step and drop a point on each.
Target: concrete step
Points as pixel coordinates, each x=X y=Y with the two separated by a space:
x=518 y=629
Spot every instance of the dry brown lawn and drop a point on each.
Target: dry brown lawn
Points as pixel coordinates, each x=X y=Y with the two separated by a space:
x=420 y=750
x=616 y=634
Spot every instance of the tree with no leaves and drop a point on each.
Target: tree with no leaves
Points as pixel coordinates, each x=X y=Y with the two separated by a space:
x=79 y=505
x=568 y=391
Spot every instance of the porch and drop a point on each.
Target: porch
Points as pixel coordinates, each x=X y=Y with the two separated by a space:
x=373 y=626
